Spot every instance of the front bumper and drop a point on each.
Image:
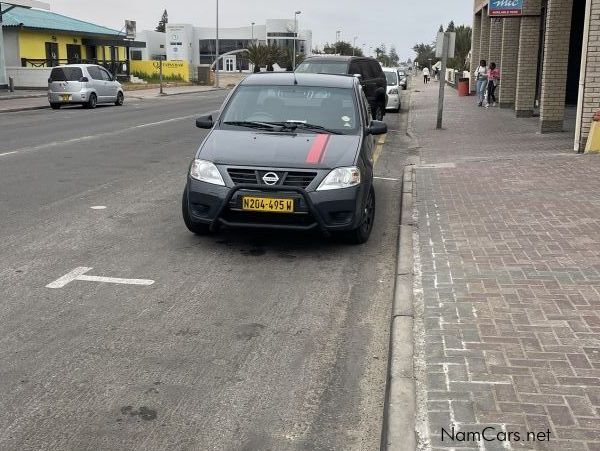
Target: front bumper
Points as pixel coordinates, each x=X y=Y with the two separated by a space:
x=328 y=211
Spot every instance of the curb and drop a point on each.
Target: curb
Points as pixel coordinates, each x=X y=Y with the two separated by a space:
x=28 y=108
x=399 y=419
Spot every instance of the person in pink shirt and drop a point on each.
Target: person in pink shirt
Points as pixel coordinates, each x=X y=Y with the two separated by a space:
x=493 y=80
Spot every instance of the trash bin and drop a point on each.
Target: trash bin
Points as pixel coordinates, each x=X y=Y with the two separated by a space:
x=463 y=87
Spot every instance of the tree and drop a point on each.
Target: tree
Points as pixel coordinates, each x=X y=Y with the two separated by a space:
x=257 y=54
x=273 y=53
x=451 y=26
x=394 y=58
x=342 y=48
x=462 y=48
x=441 y=30
x=162 y=23
x=425 y=54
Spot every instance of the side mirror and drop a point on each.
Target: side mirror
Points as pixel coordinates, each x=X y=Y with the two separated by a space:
x=84 y=79
x=205 y=121
x=49 y=80
x=377 y=128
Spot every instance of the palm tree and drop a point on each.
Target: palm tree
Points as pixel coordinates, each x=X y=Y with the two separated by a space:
x=257 y=54
x=273 y=53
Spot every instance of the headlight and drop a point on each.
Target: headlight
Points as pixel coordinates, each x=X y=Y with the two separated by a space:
x=393 y=91
x=205 y=171
x=340 y=178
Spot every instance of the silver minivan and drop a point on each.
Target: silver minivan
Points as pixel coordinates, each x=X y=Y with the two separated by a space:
x=84 y=84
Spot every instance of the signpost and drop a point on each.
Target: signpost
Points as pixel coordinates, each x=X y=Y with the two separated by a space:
x=505 y=8
x=444 y=49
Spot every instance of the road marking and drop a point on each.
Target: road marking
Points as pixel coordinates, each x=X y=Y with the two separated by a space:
x=98 y=207
x=99 y=135
x=79 y=274
x=387 y=178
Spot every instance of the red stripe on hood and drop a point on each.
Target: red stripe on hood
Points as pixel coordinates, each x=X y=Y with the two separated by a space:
x=317 y=150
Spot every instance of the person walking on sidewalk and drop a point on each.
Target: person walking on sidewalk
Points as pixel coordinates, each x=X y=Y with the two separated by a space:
x=493 y=79
x=426 y=75
x=481 y=75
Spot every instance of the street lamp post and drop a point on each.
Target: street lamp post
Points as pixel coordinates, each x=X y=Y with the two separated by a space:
x=295 y=34
x=337 y=35
x=252 y=32
x=217 y=50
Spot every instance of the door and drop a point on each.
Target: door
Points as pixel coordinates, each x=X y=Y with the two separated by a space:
x=73 y=53
x=229 y=65
x=91 y=52
x=51 y=54
x=110 y=86
x=97 y=82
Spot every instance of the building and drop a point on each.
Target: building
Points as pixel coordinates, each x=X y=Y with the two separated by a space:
x=36 y=39
x=197 y=45
x=548 y=52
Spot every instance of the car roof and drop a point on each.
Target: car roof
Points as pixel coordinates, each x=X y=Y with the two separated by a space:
x=75 y=65
x=390 y=69
x=332 y=57
x=300 y=79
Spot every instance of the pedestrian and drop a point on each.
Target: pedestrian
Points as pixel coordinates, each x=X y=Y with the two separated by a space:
x=493 y=80
x=481 y=75
x=426 y=75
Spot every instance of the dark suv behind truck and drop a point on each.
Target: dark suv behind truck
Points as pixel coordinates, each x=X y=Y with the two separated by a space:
x=368 y=70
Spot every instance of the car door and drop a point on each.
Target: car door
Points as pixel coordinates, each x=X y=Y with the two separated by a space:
x=110 y=87
x=368 y=140
x=96 y=80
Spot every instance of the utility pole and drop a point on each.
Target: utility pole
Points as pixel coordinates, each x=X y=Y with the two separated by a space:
x=217 y=50
x=295 y=35
x=445 y=50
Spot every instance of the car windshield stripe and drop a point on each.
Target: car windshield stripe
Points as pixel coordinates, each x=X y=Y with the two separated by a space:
x=317 y=150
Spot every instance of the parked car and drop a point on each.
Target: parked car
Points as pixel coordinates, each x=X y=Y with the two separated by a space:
x=368 y=70
x=402 y=77
x=287 y=151
x=84 y=84
x=393 y=89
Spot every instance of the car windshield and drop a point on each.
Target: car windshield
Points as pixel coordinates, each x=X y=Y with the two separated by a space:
x=333 y=109
x=66 y=74
x=323 y=67
x=392 y=78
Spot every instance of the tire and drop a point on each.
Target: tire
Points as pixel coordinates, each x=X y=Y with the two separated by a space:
x=194 y=227
x=55 y=106
x=361 y=234
x=120 y=99
x=92 y=102
x=379 y=112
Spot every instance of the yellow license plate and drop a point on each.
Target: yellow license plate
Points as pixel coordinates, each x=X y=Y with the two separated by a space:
x=65 y=97
x=267 y=204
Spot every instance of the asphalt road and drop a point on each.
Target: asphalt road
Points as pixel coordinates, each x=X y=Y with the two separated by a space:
x=245 y=341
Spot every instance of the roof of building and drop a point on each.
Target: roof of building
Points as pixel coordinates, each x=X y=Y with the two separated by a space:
x=47 y=20
x=290 y=79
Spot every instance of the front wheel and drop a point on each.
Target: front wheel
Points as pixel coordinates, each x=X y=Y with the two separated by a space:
x=379 y=112
x=194 y=227
x=120 y=99
x=55 y=106
x=361 y=234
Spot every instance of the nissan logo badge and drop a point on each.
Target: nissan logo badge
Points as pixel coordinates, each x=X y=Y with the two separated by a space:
x=270 y=178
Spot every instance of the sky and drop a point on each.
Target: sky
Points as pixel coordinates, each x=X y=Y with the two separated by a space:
x=401 y=23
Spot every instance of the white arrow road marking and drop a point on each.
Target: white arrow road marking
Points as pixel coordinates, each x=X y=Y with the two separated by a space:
x=79 y=274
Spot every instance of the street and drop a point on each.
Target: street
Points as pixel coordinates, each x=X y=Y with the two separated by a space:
x=245 y=340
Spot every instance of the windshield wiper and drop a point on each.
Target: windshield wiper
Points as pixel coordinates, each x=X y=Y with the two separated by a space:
x=255 y=124
x=291 y=125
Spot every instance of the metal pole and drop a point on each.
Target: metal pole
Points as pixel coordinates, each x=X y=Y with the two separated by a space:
x=445 y=50
x=295 y=32
x=161 y=76
x=217 y=50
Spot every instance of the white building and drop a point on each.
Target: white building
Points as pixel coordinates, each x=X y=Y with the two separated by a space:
x=196 y=45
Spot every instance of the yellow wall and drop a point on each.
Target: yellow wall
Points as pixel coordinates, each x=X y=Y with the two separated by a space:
x=170 y=68
x=32 y=45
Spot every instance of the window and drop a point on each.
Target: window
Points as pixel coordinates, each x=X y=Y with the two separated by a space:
x=106 y=76
x=66 y=74
x=94 y=72
x=136 y=55
x=323 y=67
x=392 y=78
x=332 y=108
x=366 y=69
x=354 y=69
x=365 y=107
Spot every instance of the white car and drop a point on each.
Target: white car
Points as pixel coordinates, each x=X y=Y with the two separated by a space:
x=393 y=89
x=84 y=84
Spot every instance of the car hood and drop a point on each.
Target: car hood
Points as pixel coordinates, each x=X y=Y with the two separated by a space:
x=283 y=150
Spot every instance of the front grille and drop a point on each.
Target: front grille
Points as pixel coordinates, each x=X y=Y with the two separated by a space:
x=296 y=179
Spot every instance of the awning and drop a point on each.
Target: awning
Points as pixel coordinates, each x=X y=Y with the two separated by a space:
x=113 y=42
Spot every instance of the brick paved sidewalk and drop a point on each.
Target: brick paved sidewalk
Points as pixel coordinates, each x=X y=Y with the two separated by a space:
x=507 y=285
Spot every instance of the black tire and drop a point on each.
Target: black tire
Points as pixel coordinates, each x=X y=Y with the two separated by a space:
x=55 y=106
x=379 y=112
x=120 y=99
x=194 y=227
x=361 y=234
x=92 y=102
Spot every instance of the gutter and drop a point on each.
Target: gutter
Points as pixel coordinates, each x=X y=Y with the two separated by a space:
x=582 y=76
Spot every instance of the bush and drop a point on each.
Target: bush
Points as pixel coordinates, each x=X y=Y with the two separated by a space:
x=155 y=78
